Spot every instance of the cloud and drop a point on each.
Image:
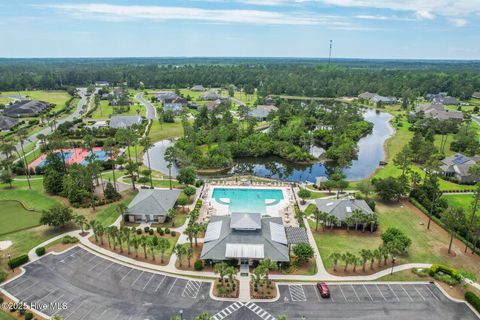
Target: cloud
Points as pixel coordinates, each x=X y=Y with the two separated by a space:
x=424 y=15
x=378 y=17
x=161 y=13
x=458 y=22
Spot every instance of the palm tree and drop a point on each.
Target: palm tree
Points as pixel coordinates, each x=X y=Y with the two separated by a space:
x=365 y=254
x=267 y=265
x=151 y=245
x=114 y=234
x=335 y=256
x=385 y=253
x=125 y=137
x=221 y=269
x=372 y=258
x=356 y=217
x=111 y=150
x=257 y=275
x=146 y=143
x=127 y=236
x=163 y=245
x=347 y=258
x=143 y=243
x=122 y=208
x=188 y=254
x=231 y=272
x=378 y=254
x=203 y=316
x=332 y=220
x=91 y=225
x=373 y=221
x=22 y=136
x=135 y=243
x=81 y=221
x=179 y=251
x=354 y=261
x=120 y=238
x=169 y=156
x=317 y=215
x=348 y=221
x=197 y=228
x=172 y=212
x=189 y=232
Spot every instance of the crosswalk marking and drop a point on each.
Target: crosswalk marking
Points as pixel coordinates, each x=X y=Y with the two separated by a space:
x=259 y=311
x=227 y=311
x=297 y=293
x=191 y=289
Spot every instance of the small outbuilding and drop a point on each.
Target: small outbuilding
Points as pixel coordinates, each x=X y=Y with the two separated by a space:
x=151 y=205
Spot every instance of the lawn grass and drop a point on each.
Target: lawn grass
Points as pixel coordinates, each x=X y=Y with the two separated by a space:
x=428 y=246
x=463 y=201
x=5 y=316
x=15 y=217
x=165 y=130
x=31 y=199
x=105 y=111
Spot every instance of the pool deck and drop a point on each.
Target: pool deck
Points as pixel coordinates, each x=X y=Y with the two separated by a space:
x=276 y=210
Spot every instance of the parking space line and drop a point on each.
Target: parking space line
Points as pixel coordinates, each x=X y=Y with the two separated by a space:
x=94 y=266
x=171 y=287
x=101 y=314
x=61 y=308
x=133 y=283
x=106 y=268
x=398 y=299
x=24 y=280
x=161 y=281
x=355 y=292
x=146 y=284
x=368 y=292
x=316 y=292
x=191 y=289
x=381 y=292
x=86 y=314
x=131 y=269
x=406 y=293
x=340 y=286
x=297 y=293
x=433 y=294
x=74 y=310
x=33 y=284
x=419 y=292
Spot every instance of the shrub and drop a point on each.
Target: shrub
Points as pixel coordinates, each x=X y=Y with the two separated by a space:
x=198 y=265
x=198 y=183
x=473 y=299
x=139 y=231
x=40 y=251
x=167 y=231
x=3 y=276
x=421 y=272
x=151 y=232
x=18 y=261
x=146 y=229
x=28 y=316
x=173 y=233
x=161 y=232
x=446 y=278
x=159 y=229
x=69 y=239
x=439 y=268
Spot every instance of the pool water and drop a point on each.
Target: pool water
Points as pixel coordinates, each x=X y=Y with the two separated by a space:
x=247 y=200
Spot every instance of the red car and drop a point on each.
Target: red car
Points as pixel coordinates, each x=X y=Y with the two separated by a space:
x=323 y=288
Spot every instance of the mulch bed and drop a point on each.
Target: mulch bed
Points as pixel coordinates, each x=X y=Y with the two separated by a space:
x=233 y=294
x=264 y=292
x=197 y=250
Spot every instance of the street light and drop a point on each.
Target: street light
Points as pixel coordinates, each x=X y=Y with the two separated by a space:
x=393 y=264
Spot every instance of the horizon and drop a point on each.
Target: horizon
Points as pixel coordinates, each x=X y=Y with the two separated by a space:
x=360 y=29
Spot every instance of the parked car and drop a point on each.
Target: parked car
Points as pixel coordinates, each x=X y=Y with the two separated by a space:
x=324 y=290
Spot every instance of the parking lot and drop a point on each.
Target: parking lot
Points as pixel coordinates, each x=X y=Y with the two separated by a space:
x=80 y=285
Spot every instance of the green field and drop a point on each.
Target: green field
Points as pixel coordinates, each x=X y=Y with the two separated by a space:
x=427 y=246
x=5 y=316
x=15 y=217
x=160 y=131
x=31 y=199
x=104 y=111
x=463 y=201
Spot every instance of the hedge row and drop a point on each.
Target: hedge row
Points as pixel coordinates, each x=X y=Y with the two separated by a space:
x=436 y=268
x=18 y=261
x=473 y=299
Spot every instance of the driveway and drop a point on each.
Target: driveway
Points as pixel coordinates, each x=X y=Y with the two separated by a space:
x=151 y=112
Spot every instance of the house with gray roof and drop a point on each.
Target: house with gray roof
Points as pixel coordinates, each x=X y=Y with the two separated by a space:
x=342 y=208
x=438 y=111
x=151 y=205
x=366 y=95
x=211 y=96
x=373 y=97
x=198 y=88
x=101 y=83
x=457 y=166
x=176 y=108
x=261 y=112
x=26 y=108
x=442 y=98
x=245 y=237
x=476 y=95
x=122 y=122
x=7 y=123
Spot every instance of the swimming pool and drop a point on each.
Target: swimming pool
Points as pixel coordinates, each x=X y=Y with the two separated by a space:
x=247 y=200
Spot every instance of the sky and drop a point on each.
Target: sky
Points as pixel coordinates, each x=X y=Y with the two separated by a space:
x=386 y=29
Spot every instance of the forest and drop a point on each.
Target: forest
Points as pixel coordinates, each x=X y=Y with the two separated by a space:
x=305 y=77
x=216 y=138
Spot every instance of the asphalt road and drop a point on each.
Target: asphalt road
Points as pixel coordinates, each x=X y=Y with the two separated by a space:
x=151 y=112
x=78 y=285
x=48 y=130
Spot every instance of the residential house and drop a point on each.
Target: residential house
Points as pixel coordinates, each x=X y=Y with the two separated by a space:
x=212 y=105
x=366 y=95
x=442 y=98
x=26 y=108
x=7 y=123
x=476 y=95
x=151 y=205
x=175 y=107
x=210 y=96
x=261 y=112
x=438 y=111
x=101 y=83
x=373 y=97
x=342 y=208
x=118 y=122
x=245 y=237
x=198 y=88
x=457 y=166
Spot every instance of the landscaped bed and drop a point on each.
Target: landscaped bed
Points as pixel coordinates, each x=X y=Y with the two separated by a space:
x=226 y=290
x=264 y=291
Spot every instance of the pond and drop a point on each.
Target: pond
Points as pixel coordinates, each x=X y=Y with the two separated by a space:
x=370 y=153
